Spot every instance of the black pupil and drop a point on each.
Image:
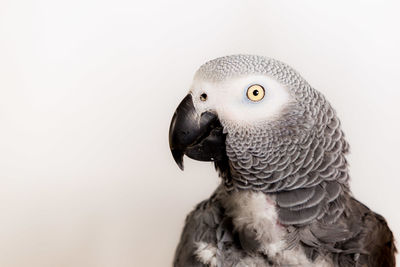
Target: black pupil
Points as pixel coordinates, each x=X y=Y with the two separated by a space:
x=256 y=92
x=203 y=96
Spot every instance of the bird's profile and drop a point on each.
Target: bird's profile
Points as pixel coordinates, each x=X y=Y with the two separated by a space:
x=284 y=197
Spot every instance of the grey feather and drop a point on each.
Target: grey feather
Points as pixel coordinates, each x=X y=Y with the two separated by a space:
x=299 y=217
x=288 y=199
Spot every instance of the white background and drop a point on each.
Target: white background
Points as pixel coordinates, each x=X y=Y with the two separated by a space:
x=88 y=88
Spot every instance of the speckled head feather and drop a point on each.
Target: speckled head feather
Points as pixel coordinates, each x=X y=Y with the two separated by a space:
x=298 y=156
x=232 y=66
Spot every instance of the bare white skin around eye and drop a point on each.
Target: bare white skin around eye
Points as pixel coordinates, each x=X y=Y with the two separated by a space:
x=229 y=98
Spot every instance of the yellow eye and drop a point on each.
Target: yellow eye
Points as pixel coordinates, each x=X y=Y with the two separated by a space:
x=255 y=92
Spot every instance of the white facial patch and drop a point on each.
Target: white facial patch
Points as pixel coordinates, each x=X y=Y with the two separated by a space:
x=229 y=99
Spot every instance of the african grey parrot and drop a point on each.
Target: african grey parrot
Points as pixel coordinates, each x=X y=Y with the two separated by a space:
x=284 y=197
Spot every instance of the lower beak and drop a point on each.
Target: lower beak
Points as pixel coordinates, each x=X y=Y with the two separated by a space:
x=200 y=137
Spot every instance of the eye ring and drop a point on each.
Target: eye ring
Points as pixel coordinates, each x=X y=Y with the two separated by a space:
x=255 y=92
x=203 y=97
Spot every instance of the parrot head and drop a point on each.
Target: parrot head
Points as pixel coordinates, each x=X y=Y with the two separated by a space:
x=258 y=120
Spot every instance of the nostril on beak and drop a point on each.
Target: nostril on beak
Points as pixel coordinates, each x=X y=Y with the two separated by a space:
x=203 y=97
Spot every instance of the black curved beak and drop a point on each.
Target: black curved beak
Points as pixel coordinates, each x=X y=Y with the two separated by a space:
x=200 y=137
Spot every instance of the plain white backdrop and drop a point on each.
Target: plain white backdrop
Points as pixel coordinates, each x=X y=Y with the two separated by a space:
x=88 y=88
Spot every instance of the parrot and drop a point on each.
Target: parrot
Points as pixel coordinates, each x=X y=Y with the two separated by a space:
x=279 y=150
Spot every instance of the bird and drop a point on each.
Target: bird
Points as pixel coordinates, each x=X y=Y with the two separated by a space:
x=278 y=147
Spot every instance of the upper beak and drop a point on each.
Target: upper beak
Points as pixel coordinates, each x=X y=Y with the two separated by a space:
x=200 y=137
